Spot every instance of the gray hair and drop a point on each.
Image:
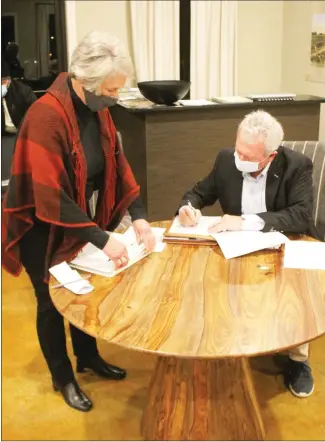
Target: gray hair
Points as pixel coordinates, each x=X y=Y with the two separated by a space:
x=97 y=57
x=261 y=126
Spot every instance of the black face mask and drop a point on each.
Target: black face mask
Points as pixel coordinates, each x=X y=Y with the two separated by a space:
x=98 y=102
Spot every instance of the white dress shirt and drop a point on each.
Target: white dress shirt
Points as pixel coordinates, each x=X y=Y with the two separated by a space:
x=253 y=200
x=9 y=125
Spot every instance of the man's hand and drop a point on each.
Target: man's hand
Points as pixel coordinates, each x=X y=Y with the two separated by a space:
x=188 y=216
x=144 y=234
x=227 y=222
x=117 y=252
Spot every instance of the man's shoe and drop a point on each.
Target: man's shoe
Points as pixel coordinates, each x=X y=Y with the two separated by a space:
x=102 y=368
x=298 y=378
x=74 y=396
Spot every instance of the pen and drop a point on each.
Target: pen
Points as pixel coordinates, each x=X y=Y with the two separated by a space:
x=70 y=282
x=190 y=205
x=263 y=267
x=193 y=210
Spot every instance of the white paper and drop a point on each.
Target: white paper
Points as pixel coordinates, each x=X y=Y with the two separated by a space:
x=304 y=255
x=93 y=260
x=160 y=247
x=64 y=274
x=129 y=237
x=202 y=228
x=232 y=99
x=239 y=243
x=200 y=102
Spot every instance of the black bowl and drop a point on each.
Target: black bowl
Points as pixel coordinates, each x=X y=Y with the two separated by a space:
x=164 y=92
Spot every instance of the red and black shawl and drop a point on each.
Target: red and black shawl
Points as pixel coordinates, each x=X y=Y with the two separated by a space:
x=40 y=183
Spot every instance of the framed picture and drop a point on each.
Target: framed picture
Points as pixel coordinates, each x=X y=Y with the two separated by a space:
x=316 y=68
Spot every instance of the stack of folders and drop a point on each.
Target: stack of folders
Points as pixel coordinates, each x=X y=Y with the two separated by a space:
x=198 y=234
x=233 y=99
x=232 y=244
x=200 y=102
x=93 y=260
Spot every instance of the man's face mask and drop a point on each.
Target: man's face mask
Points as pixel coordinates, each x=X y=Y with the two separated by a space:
x=98 y=102
x=4 y=89
x=247 y=166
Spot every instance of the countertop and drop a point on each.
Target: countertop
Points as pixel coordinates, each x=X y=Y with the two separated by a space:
x=299 y=100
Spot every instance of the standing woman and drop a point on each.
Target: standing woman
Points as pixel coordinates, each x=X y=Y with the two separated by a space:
x=66 y=149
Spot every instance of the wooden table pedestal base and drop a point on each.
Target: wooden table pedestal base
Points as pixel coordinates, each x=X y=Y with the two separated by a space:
x=202 y=400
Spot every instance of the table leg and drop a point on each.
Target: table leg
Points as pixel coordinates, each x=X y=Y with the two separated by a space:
x=199 y=399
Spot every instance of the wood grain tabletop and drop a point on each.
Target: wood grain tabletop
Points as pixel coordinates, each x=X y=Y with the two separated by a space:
x=188 y=301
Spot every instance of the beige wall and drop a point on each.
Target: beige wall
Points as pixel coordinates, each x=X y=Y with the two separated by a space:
x=295 y=55
x=110 y=16
x=260 y=25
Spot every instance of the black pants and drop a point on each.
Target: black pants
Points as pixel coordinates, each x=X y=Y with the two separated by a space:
x=50 y=324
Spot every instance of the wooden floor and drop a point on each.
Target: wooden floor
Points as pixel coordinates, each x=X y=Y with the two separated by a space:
x=32 y=411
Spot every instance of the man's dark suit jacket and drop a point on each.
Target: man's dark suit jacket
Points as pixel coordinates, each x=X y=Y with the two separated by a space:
x=19 y=98
x=289 y=191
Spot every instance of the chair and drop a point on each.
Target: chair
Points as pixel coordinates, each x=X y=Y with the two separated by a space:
x=315 y=150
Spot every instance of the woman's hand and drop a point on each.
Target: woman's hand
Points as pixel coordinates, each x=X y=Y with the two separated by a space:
x=117 y=252
x=144 y=234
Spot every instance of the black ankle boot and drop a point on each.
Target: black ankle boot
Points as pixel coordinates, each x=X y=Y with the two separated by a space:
x=102 y=368
x=74 y=396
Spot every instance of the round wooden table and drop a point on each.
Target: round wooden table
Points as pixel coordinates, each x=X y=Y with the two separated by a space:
x=203 y=316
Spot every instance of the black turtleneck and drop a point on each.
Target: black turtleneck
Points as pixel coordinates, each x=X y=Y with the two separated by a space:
x=88 y=124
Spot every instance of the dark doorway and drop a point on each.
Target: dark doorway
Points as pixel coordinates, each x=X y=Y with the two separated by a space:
x=185 y=40
x=38 y=28
x=8 y=30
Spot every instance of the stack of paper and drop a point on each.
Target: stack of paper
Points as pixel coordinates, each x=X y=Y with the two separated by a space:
x=304 y=255
x=93 y=260
x=232 y=99
x=199 y=102
x=234 y=244
x=199 y=232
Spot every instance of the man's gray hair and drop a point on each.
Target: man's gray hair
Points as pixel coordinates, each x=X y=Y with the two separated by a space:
x=97 y=57
x=260 y=126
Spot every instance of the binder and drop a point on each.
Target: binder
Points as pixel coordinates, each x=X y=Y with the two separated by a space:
x=197 y=235
x=272 y=97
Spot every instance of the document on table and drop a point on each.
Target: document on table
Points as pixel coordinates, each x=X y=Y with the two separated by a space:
x=234 y=244
x=94 y=260
x=200 y=229
x=304 y=255
x=71 y=279
x=199 y=102
x=232 y=99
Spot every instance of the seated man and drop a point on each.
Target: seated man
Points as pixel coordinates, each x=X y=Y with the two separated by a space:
x=260 y=186
x=16 y=98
